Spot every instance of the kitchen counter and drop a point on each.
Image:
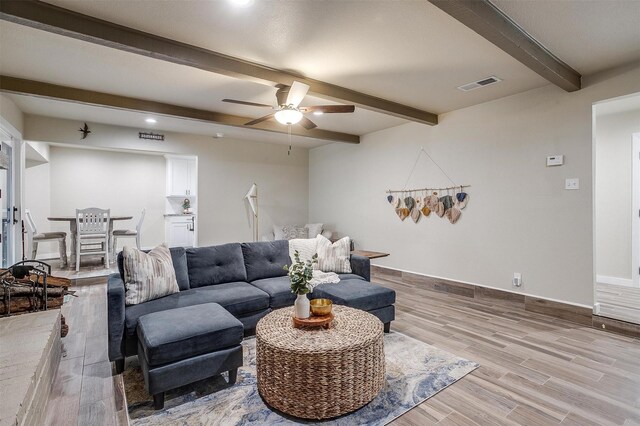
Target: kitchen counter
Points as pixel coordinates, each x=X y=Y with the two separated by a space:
x=178 y=214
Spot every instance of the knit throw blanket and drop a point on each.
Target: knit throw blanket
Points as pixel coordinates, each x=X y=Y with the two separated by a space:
x=320 y=277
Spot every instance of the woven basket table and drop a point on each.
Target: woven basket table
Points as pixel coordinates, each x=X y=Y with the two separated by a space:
x=318 y=373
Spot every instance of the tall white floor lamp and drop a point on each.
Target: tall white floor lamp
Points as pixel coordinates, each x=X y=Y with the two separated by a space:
x=252 y=199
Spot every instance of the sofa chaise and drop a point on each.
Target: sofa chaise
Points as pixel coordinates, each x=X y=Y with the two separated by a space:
x=246 y=279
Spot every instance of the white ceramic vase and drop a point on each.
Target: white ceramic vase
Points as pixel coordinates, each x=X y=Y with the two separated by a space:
x=302 y=308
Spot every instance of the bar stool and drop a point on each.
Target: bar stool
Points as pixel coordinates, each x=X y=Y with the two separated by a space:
x=128 y=233
x=36 y=237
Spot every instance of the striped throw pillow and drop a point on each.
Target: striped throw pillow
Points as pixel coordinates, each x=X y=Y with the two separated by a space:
x=148 y=276
x=334 y=257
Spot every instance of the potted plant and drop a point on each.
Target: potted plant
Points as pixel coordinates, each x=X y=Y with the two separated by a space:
x=300 y=273
x=186 y=206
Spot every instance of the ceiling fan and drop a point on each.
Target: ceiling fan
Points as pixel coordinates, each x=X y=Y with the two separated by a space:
x=288 y=112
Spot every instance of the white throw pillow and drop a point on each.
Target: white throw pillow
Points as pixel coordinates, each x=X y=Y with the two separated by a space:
x=306 y=247
x=314 y=229
x=289 y=232
x=334 y=257
x=295 y=231
x=148 y=276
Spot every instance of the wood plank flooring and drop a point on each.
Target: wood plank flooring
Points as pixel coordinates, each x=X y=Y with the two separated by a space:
x=619 y=302
x=535 y=369
x=91 y=267
x=84 y=391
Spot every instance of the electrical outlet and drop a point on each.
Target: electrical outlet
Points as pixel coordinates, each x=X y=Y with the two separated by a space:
x=573 y=183
x=517 y=279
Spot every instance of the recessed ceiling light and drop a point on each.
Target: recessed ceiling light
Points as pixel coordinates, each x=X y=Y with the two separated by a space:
x=151 y=120
x=318 y=112
x=241 y=3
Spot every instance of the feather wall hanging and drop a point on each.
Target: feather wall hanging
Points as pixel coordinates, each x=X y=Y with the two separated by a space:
x=446 y=203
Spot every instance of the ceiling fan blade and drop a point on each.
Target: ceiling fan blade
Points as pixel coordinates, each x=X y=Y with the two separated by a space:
x=307 y=124
x=296 y=94
x=259 y=120
x=328 y=109
x=234 y=101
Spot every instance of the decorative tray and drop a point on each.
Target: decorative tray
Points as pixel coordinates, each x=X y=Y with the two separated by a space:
x=313 y=321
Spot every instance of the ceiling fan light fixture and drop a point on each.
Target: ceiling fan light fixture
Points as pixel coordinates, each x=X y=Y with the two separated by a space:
x=288 y=116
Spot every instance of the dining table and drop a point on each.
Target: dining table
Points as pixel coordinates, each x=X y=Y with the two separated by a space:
x=74 y=231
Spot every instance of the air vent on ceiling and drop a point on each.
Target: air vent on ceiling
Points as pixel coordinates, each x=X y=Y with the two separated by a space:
x=480 y=83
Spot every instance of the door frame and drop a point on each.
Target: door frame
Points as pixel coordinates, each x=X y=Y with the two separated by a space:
x=635 y=212
x=12 y=200
x=14 y=136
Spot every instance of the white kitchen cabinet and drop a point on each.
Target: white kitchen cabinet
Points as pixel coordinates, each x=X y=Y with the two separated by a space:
x=180 y=231
x=182 y=176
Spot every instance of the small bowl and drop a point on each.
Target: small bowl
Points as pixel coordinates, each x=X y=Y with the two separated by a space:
x=320 y=307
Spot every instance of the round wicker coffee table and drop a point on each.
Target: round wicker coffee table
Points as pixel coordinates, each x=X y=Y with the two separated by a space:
x=318 y=373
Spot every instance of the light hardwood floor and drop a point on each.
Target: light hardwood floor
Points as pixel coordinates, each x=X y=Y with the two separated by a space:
x=619 y=302
x=535 y=370
x=91 y=267
x=84 y=390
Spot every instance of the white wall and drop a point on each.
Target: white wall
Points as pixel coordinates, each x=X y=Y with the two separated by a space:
x=11 y=116
x=226 y=170
x=37 y=198
x=519 y=217
x=79 y=178
x=614 y=141
x=123 y=182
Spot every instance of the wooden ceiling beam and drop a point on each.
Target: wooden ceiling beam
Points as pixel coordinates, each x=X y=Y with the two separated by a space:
x=491 y=23
x=52 y=91
x=57 y=20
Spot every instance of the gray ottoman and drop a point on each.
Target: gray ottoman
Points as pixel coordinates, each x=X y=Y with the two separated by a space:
x=181 y=346
x=359 y=294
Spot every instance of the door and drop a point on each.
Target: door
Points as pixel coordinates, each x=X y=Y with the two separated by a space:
x=6 y=202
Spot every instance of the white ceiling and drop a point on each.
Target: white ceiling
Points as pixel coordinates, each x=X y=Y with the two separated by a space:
x=590 y=36
x=406 y=51
x=42 y=56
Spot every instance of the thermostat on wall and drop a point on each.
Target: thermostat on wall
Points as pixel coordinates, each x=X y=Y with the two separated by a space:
x=555 y=160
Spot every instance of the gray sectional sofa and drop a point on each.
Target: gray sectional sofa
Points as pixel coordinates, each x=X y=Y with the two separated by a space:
x=248 y=280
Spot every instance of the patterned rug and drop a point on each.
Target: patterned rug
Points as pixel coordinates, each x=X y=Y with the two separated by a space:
x=415 y=372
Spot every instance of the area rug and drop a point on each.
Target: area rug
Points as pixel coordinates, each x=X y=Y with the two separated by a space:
x=415 y=371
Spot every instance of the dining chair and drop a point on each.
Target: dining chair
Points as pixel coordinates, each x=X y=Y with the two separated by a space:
x=92 y=226
x=34 y=237
x=128 y=233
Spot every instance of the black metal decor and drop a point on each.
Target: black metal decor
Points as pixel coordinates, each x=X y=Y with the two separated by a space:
x=85 y=131
x=27 y=278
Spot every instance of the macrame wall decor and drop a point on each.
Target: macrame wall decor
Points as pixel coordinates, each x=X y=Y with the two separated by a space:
x=445 y=202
